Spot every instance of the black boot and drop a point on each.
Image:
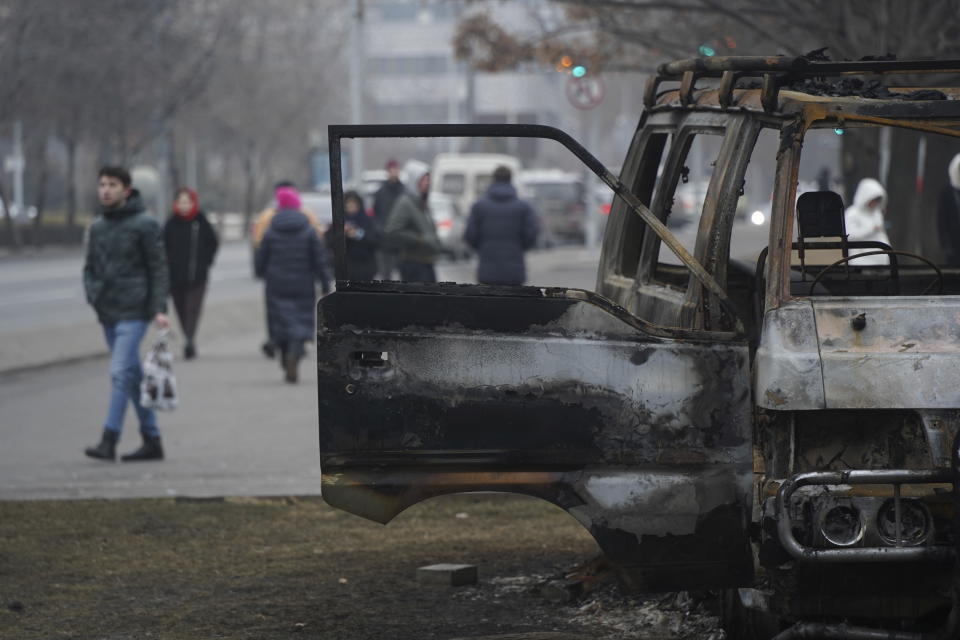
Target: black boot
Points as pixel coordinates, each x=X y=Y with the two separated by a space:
x=107 y=449
x=291 y=365
x=151 y=449
x=189 y=351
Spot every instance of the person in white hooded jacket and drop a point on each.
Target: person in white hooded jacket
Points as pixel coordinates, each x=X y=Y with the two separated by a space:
x=948 y=215
x=864 y=220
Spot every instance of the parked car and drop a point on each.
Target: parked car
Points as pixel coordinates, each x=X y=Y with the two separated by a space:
x=559 y=200
x=451 y=223
x=786 y=434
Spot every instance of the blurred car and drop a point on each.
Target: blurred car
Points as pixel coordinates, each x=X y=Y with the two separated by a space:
x=451 y=223
x=559 y=200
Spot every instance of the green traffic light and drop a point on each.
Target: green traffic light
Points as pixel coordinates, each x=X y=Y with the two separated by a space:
x=706 y=50
x=579 y=71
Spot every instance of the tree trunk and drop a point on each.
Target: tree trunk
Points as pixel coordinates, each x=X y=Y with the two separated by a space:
x=40 y=189
x=71 y=143
x=250 y=190
x=13 y=232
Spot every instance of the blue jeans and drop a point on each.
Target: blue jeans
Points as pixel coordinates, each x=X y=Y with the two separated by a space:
x=126 y=373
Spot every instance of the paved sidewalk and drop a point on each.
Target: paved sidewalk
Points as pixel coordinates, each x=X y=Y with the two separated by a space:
x=240 y=430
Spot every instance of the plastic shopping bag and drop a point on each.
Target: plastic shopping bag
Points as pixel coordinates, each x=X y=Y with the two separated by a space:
x=158 y=390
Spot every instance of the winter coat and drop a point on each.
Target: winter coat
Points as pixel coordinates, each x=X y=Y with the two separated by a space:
x=191 y=246
x=362 y=251
x=411 y=230
x=864 y=223
x=948 y=215
x=384 y=199
x=125 y=271
x=501 y=227
x=290 y=258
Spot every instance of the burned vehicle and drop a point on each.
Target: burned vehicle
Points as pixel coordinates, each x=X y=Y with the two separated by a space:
x=755 y=409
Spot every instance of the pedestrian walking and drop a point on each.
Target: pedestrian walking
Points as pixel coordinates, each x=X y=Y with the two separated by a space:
x=948 y=215
x=864 y=220
x=290 y=259
x=259 y=227
x=410 y=228
x=361 y=238
x=501 y=227
x=125 y=280
x=383 y=201
x=191 y=245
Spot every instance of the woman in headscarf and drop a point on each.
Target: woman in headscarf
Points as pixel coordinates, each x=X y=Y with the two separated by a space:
x=191 y=245
x=290 y=259
x=362 y=237
x=864 y=220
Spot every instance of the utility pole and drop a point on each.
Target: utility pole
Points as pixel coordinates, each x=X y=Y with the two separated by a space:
x=356 y=87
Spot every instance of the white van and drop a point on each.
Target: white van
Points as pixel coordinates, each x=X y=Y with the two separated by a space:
x=465 y=176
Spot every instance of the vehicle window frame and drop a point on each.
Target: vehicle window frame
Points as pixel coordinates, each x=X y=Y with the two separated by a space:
x=664 y=193
x=335 y=133
x=782 y=226
x=624 y=223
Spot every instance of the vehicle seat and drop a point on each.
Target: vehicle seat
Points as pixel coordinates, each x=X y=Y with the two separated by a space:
x=820 y=214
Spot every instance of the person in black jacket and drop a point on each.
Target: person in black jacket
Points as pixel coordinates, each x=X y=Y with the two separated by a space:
x=125 y=281
x=501 y=227
x=191 y=246
x=362 y=237
x=290 y=258
x=383 y=201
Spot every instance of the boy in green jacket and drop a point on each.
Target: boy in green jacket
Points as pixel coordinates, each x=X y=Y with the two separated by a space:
x=125 y=280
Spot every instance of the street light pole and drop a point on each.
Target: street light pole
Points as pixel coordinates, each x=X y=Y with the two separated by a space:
x=356 y=85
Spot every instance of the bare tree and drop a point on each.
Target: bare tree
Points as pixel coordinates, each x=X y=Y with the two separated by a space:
x=119 y=81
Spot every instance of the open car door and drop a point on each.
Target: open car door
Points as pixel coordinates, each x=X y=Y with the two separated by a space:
x=642 y=433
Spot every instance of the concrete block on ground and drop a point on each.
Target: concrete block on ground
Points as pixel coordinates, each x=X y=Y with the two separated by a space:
x=449 y=575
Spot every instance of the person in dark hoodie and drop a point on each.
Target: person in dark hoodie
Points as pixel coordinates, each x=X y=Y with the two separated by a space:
x=383 y=201
x=125 y=281
x=501 y=227
x=411 y=228
x=361 y=237
x=290 y=259
x=191 y=246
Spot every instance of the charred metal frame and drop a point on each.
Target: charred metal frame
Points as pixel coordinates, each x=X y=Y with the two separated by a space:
x=337 y=132
x=775 y=72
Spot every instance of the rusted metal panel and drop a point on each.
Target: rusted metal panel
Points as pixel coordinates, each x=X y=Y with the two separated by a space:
x=905 y=356
x=645 y=439
x=789 y=375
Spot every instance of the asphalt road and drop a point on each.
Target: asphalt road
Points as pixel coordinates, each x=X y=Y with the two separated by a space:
x=239 y=430
x=39 y=290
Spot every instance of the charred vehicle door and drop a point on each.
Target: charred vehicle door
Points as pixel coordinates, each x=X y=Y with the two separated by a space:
x=641 y=431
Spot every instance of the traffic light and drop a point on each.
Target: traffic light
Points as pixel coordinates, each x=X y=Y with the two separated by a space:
x=567 y=65
x=707 y=50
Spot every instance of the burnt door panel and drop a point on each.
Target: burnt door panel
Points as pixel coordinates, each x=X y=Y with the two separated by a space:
x=641 y=434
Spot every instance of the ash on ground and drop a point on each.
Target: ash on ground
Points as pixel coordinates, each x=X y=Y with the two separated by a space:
x=607 y=609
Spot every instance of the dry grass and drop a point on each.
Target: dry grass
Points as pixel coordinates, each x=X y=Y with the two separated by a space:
x=271 y=568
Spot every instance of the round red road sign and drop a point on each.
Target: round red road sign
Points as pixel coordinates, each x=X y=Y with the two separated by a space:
x=585 y=92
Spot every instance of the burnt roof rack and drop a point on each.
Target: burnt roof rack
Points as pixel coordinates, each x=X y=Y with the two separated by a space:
x=776 y=72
